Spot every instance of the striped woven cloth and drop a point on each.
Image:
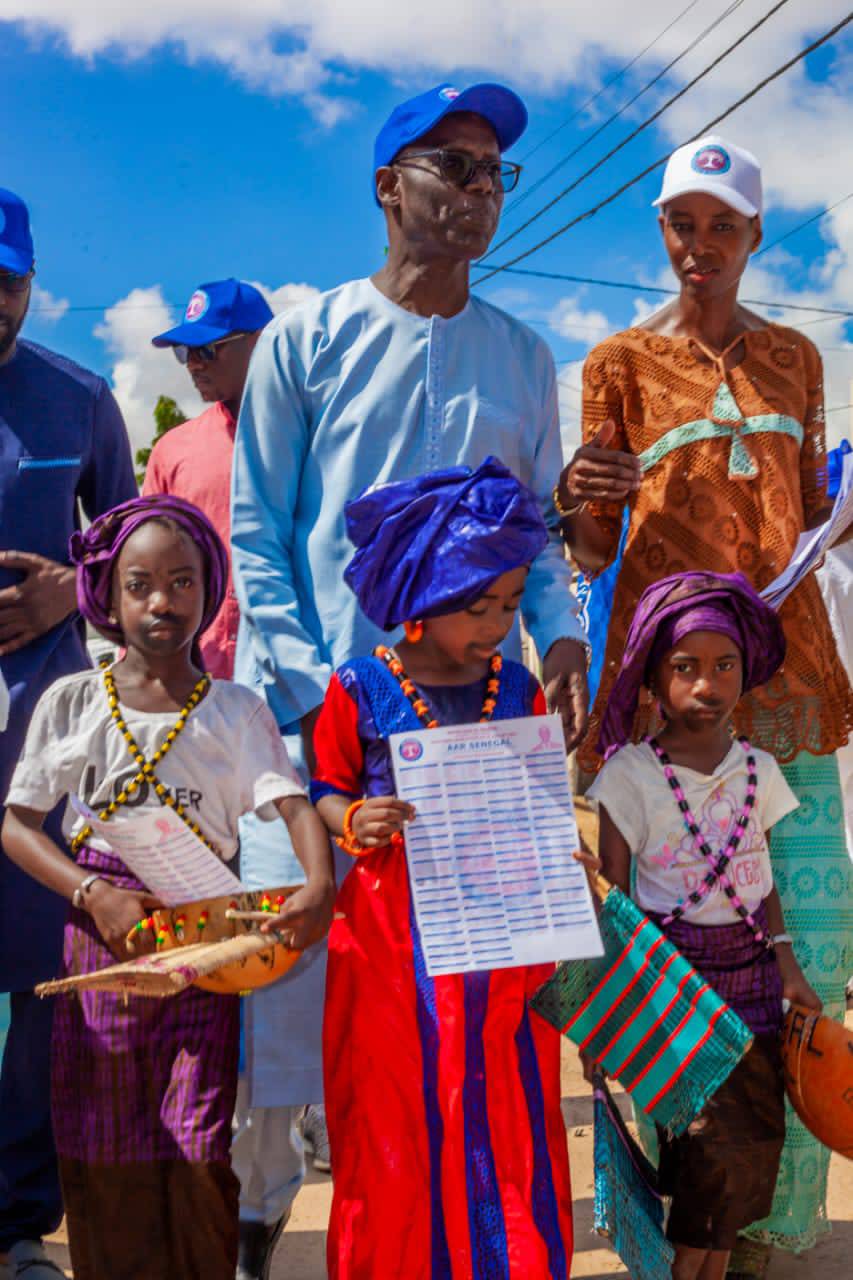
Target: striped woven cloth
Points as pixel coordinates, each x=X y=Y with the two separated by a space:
x=646 y=1016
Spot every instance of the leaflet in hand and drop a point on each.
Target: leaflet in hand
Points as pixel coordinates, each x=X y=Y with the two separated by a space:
x=813 y=545
x=4 y=703
x=490 y=852
x=164 y=853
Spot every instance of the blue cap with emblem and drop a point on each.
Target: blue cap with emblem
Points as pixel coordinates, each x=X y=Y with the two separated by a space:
x=502 y=108
x=214 y=311
x=16 y=241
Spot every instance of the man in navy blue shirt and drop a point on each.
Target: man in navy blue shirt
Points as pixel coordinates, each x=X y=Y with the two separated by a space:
x=63 y=447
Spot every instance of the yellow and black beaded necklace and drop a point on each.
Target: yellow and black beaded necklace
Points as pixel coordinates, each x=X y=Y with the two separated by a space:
x=146 y=767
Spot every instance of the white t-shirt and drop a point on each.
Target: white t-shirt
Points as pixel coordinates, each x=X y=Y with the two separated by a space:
x=634 y=791
x=228 y=759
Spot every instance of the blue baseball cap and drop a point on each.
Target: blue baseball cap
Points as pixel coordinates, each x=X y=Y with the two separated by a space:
x=16 y=241
x=502 y=108
x=215 y=310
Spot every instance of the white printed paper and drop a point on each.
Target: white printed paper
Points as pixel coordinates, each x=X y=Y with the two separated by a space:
x=165 y=854
x=813 y=545
x=490 y=853
x=4 y=703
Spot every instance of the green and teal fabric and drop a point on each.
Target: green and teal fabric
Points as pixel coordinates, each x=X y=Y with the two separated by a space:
x=726 y=420
x=647 y=1016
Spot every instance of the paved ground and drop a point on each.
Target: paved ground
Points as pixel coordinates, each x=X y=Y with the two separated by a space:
x=301 y=1254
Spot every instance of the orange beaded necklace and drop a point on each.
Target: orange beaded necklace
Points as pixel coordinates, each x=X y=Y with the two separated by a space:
x=420 y=705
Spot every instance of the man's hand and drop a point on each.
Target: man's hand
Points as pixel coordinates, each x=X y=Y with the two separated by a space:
x=598 y=473
x=45 y=596
x=566 y=689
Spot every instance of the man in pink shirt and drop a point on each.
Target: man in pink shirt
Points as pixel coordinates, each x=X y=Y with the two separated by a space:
x=215 y=341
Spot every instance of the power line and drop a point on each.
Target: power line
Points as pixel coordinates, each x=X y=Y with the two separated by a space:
x=642 y=126
x=815 y=218
x=602 y=204
x=525 y=195
x=649 y=288
x=607 y=85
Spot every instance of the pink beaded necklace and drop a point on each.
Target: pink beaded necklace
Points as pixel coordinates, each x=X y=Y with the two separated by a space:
x=717 y=862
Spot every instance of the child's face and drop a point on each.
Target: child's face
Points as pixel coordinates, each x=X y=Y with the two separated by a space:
x=158 y=590
x=699 y=682
x=473 y=634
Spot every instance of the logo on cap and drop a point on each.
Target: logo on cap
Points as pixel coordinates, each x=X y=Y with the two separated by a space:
x=411 y=749
x=197 y=305
x=448 y=94
x=711 y=160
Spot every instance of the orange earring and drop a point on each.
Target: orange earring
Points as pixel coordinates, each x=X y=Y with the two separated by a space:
x=414 y=631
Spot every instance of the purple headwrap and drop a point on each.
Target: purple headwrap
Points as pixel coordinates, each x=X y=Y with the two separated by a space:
x=669 y=610
x=434 y=544
x=96 y=551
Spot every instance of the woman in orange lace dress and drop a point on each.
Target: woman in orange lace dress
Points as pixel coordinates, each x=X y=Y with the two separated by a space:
x=708 y=422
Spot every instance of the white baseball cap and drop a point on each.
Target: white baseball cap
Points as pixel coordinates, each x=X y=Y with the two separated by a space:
x=718 y=167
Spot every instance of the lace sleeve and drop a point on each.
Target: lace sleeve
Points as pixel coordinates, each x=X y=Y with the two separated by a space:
x=813 y=461
x=603 y=398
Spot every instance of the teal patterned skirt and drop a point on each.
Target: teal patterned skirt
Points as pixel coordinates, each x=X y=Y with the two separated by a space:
x=814 y=875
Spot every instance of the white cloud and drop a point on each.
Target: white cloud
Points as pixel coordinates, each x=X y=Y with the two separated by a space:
x=297 y=47
x=571 y=321
x=141 y=373
x=45 y=306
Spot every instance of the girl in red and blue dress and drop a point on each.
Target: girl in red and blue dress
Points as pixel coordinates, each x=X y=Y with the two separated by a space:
x=443 y=1094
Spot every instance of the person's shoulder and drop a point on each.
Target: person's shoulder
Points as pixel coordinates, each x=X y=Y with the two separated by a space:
x=503 y=325
x=178 y=439
x=765 y=763
x=782 y=334
x=44 y=360
x=314 y=310
x=624 y=762
x=236 y=701
x=70 y=694
x=618 y=346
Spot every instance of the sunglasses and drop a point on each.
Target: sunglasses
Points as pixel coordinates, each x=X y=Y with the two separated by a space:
x=207 y=353
x=12 y=282
x=458 y=168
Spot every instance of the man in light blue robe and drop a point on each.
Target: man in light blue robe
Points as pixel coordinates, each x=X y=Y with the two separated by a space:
x=379 y=380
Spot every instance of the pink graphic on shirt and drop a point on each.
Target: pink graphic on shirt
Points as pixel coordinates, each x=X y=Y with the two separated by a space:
x=164 y=826
x=715 y=819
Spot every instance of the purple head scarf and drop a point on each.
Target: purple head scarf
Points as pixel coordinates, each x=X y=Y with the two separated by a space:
x=96 y=551
x=435 y=543
x=668 y=611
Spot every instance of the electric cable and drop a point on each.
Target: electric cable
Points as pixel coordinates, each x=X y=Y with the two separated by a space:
x=626 y=186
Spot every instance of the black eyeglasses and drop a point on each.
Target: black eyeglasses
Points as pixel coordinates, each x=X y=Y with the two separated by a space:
x=207 y=353
x=458 y=168
x=12 y=282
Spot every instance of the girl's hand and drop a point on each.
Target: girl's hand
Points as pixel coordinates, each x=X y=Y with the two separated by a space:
x=380 y=818
x=305 y=917
x=116 y=911
x=588 y=858
x=590 y=1066
x=795 y=986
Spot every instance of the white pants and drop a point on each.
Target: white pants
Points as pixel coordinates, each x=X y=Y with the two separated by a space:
x=267 y=1157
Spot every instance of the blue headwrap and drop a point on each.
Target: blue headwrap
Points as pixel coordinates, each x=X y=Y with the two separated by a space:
x=433 y=545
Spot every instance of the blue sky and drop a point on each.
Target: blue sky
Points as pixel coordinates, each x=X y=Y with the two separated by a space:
x=176 y=143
